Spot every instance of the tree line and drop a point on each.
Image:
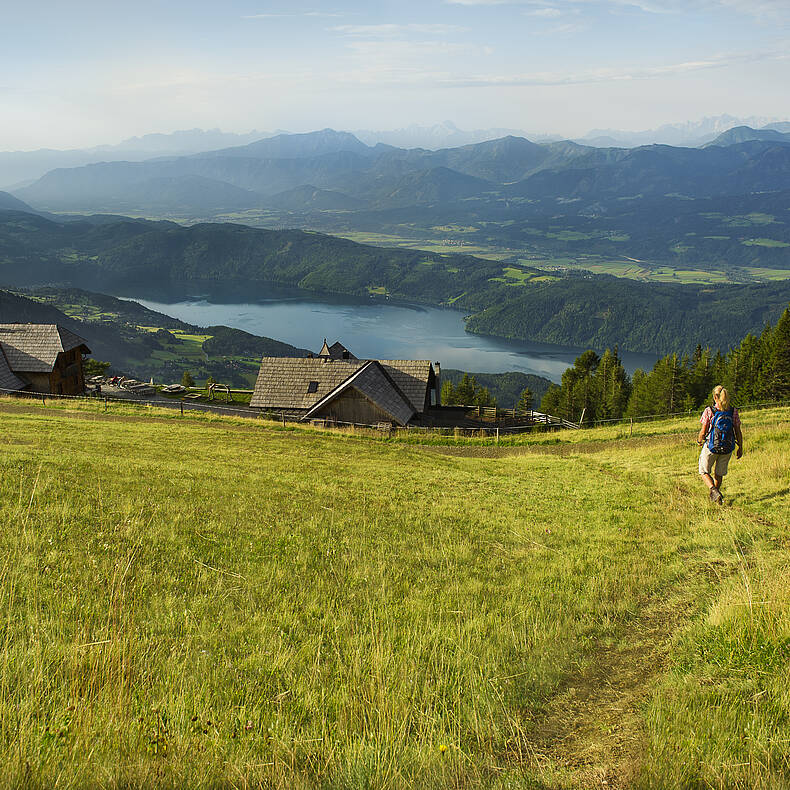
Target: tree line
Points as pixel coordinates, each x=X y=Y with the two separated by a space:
x=599 y=388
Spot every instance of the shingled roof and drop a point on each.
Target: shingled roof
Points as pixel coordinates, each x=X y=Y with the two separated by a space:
x=34 y=348
x=374 y=383
x=412 y=377
x=9 y=381
x=337 y=351
x=397 y=386
x=284 y=382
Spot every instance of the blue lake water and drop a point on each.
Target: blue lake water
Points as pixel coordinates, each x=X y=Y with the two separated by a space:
x=369 y=329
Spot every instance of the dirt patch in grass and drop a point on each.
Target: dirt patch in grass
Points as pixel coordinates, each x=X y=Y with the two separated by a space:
x=565 y=448
x=592 y=730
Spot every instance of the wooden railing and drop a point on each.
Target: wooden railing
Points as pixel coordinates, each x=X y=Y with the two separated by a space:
x=516 y=417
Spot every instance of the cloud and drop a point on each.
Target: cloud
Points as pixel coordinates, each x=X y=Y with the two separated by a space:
x=763 y=9
x=545 y=13
x=562 y=30
x=766 y=10
x=398 y=52
x=611 y=75
x=320 y=14
x=387 y=30
x=486 y=2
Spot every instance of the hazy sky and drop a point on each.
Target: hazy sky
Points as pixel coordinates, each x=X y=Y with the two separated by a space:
x=81 y=72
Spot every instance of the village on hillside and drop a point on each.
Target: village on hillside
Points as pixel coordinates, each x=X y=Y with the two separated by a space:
x=330 y=388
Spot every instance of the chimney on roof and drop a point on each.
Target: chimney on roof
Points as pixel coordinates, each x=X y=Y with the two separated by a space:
x=438 y=382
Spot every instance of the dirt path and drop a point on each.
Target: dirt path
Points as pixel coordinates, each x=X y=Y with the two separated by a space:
x=592 y=730
x=565 y=448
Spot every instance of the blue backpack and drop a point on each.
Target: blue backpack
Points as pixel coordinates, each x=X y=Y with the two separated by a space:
x=721 y=438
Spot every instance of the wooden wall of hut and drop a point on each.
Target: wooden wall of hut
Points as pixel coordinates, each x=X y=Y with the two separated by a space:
x=352 y=406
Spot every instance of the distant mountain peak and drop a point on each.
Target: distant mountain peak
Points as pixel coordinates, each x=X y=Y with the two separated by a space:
x=686 y=133
x=296 y=146
x=744 y=134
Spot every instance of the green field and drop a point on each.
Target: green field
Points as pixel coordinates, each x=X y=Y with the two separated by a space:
x=764 y=243
x=597 y=264
x=204 y=602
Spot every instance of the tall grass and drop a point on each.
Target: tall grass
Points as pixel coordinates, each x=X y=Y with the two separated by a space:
x=200 y=603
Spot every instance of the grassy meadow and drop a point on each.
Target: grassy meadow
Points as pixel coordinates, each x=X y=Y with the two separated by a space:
x=206 y=602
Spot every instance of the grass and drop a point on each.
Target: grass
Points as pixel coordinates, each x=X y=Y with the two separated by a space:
x=769 y=274
x=213 y=602
x=772 y=243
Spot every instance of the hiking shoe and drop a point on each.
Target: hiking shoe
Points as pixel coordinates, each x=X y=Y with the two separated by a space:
x=715 y=496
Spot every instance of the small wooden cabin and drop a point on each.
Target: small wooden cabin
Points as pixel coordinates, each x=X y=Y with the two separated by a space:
x=43 y=358
x=337 y=386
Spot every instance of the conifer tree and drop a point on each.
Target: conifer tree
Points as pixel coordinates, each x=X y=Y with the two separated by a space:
x=448 y=393
x=764 y=375
x=483 y=397
x=465 y=391
x=612 y=386
x=526 y=400
x=780 y=358
x=551 y=402
x=699 y=381
x=639 y=400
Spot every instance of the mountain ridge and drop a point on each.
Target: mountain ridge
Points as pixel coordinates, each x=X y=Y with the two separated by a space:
x=499 y=299
x=339 y=162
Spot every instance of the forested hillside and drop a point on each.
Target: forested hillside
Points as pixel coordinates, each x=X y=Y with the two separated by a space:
x=756 y=371
x=519 y=302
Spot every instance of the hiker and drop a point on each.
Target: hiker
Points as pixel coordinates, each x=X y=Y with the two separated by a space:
x=718 y=436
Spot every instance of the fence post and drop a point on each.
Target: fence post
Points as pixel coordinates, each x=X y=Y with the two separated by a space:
x=182 y=407
x=105 y=403
x=631 y=432
x=282 y=414
x=497 y=434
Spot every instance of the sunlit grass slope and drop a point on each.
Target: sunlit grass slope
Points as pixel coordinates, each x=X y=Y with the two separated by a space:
x=203 y=604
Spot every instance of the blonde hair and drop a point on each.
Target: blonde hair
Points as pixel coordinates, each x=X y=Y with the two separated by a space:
x=723 y=397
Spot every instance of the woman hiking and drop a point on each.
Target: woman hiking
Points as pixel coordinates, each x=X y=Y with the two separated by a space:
x=718 y=436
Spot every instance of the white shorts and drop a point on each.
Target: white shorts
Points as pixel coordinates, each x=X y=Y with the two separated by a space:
x=712 y=463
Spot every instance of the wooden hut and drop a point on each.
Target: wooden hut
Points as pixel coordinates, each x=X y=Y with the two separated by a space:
x=41 y=358
x=337 y=386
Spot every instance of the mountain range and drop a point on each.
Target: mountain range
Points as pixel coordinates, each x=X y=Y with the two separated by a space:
x=689 y=134
x=720 y=207
x=18 y=168
x=383 y=177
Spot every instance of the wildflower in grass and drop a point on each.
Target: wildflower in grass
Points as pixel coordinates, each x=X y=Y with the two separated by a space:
x=442 y=748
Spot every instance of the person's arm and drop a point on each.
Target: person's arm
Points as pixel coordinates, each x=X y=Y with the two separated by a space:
x=703 y=431
x=738 y=441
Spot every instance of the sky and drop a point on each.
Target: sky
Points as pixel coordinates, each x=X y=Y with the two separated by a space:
x=82 y=72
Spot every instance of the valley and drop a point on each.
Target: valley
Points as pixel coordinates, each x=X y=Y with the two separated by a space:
x=713 y=214
x=517 y=302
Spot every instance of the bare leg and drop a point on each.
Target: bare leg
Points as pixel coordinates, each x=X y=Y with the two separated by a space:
x=718 y=481
x=713 y=487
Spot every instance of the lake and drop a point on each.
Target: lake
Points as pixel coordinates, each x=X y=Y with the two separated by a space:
x=375 y=329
